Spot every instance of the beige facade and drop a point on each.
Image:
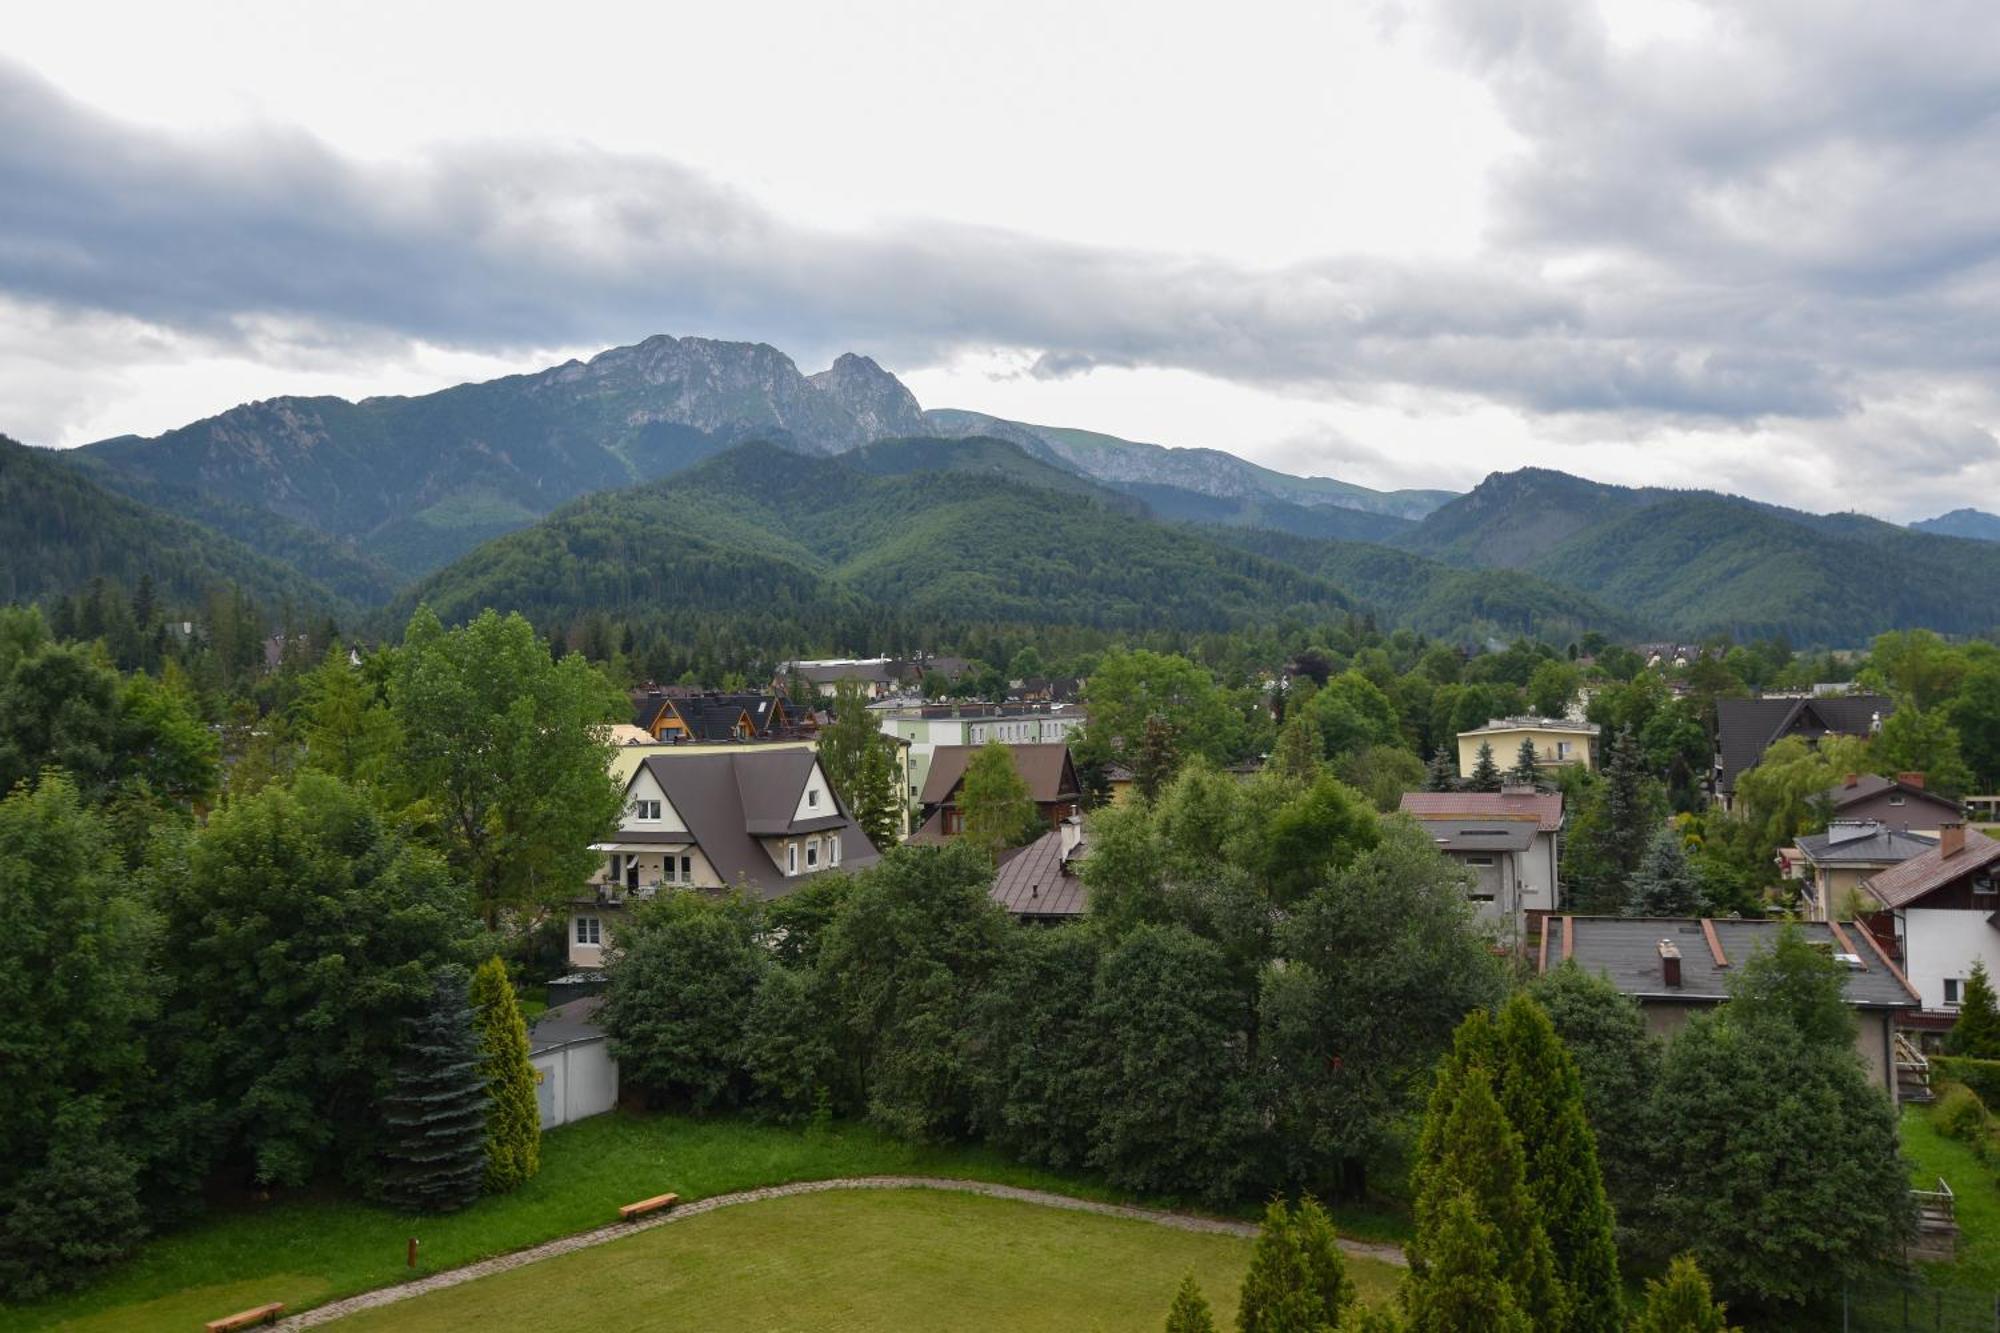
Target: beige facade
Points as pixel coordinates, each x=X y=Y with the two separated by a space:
x=1558 y=742
x=1874 y=1038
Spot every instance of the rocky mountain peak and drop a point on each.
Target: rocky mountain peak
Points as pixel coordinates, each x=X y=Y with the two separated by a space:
x=879 y=403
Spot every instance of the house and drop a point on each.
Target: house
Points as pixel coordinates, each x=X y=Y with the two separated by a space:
x=1039 y=883
x=575 y=1074
x=1901 y=803
x=1676 y=967
x=879 y=677
x=1507 y=839
x=762 y=820
x=1047 y=769
x=1745 y=728
x=675 y=715
x=925 y=727
x=1936 y=913
x=1558 y=742
x=1833 y=865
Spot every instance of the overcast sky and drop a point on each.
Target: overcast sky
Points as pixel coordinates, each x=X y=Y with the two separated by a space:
x=1743 y=246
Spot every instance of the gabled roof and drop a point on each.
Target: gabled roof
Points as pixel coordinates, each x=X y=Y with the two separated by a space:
x=1745 y=728
x=1627 y=951
x=1862 y=842
x=729 y=800
x=1045 y=767
x=1544 y=808
x=1867 y=786
x=1040 y=881
x=1901 y=885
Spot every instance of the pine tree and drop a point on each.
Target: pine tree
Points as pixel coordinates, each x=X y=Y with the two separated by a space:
x=1468 y=1147
x=1485 y=774
x=1526 y=769
x=1441 y=774
x=513 y=1120
x=1542 y=1096
x=434 y=1115
x=1457 y=1288
x=1297 y=1281
x=1977 y=1031
x=1665 y=884
x=1190 y=1312
x=1681 y=1303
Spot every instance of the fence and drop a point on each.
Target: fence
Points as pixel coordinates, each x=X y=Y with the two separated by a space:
x=1913 y=1305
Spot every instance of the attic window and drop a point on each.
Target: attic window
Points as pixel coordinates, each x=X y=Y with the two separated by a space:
x=646 y=809
x=1895 y=798
x=812 y=797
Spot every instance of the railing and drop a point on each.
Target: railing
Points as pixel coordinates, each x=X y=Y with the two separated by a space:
x=1939 y=1202
x=1910 y=1059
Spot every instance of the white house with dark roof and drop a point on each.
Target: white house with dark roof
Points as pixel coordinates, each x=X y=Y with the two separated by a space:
x=762 y=821
x=1938 y=914
x=1507 y=839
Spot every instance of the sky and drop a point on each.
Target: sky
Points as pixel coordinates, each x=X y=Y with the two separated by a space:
x=1665 y=242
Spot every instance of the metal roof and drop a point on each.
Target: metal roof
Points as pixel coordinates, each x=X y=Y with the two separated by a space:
x=1901 y=885
x=1039 y=881
x=566 y=1024
x=1545 y=808
x=1627 y=951
x=1482 y=835
x=1863 y=842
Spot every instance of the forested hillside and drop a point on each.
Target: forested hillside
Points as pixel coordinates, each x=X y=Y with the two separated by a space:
x=59 y=530
x=760 y=531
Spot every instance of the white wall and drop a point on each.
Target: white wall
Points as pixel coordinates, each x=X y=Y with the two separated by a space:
x=815 y=801
x=643 y=787
x=1940 y=943
x=577 y=1080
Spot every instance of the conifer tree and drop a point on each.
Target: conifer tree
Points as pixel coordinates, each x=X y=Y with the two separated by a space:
x=1457 y=1288
x=1468 y=1147
x=1526 y=769
x=1681 y=1302
x=1297 y=1281
x=1189 y=1312
x=1298 y=753
x=1326 y=1268
x=1665 y=884
x=1485 y=775
x=1542 y=1095
x=1977 y=1031
x=513 y=1120
x=1158 y=756
x=1441 y=774
x=434 y=1114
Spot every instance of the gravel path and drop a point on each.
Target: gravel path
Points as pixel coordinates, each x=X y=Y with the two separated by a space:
x=368 y=1300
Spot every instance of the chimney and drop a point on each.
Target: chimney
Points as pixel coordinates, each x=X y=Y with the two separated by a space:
x=1670 y=964
x=1072 y=834
x=1851 y=780
x=1911 y=780
x=1951 y=840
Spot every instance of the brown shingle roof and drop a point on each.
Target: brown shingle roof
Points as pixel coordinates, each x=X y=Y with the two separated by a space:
x=1899 y=886
x=727 y=800
x=1044 y=767
x=1039 y=881
x=1545 y=808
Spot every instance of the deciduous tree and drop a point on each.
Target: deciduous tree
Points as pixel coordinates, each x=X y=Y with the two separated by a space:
x=994 y=803
x=682 y=974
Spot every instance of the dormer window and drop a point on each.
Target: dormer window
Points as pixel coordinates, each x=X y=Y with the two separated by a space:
x=1895 y=798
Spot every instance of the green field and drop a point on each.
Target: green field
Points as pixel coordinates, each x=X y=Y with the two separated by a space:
x=895 y=1259
x=1977 y=1200
x=307 y=1250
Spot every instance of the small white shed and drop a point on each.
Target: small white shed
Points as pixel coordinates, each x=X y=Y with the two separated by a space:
x=575 y=1075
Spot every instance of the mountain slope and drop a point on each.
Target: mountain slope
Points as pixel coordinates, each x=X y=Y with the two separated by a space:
x=1511 y=519
x=1204 y=471
x=60 y=529
x=1974 y=523
x=757 y=526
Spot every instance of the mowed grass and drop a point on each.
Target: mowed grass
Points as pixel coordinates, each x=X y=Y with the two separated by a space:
x=1976 y=1199
x=892 y=1259
x=305 y=1251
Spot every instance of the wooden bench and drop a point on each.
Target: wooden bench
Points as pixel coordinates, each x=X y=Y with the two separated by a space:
x=644 y=1206
x=262 y=1314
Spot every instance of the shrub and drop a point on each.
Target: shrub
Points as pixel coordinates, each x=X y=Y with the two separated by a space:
x=1981 y=1076
x=1961 y=1115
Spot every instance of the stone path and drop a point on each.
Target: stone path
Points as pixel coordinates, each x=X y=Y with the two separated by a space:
x=368 y=1300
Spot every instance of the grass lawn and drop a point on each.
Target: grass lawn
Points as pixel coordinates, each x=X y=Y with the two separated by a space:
x=304 y=1251
x=1977 y=1199
x=902 y=1259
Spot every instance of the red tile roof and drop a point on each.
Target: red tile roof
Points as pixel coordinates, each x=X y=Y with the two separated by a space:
x=1545 y=808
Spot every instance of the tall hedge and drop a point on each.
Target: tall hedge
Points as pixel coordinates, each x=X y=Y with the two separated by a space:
x=513 y=1120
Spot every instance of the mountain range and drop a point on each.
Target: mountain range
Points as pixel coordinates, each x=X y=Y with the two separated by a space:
x=677 y=473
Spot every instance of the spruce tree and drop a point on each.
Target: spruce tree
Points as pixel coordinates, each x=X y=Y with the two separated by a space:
x=1457 y=1288
x=1441 y=774
x=513 y=1120
x=434 y=1114
x=1485 y=774
x=1190 y=1312
x=1542 y=1095
x=1526 y=769
x=1681 y=1303
x=1977 y=1031
x=1665 y=884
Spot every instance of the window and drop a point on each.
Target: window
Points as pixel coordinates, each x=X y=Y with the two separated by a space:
x=1895 y=798
x=1479 y=860
x=1951 y=985
x=1562 y=749
x=791 y=858
x=687 y=869
x=812 y=853
x=833 y=849
x=589 y=930
x=812 y=798
x=646 y=809
x=1984 y=884
x=667 y=869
